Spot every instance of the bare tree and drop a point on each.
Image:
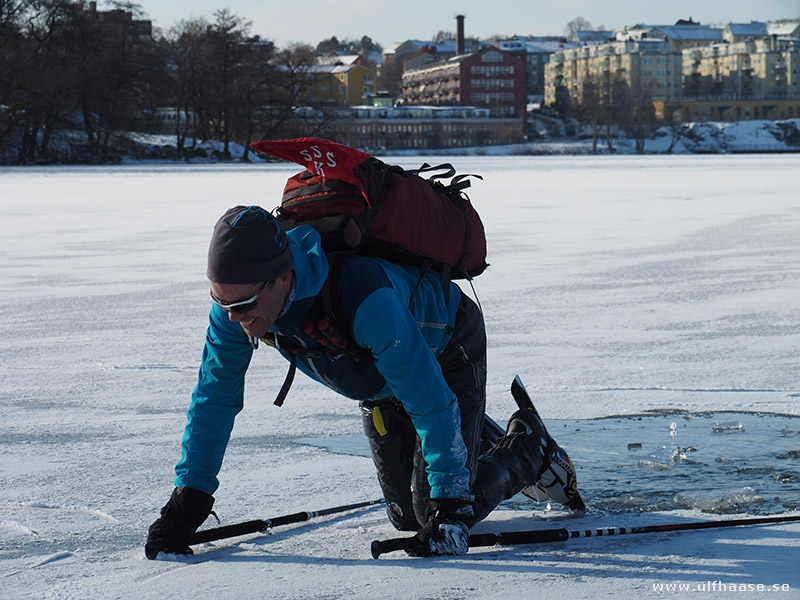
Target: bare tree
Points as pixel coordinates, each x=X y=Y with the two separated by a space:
x=40 y=69
x=114 y=65
x=605 y=104
x=186 y=84
x=577 y=24
x=254 y=76
x=226 y=37
x=291 y=85
x=442 y=35
x=641 y=113
x=12 y=50
x=206 y=92
x=589 y=109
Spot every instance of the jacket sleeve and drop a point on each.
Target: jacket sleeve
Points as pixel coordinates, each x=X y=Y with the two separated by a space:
x=217 y=399
x=385 y=326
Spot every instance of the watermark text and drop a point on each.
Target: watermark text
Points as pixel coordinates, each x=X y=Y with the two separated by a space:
x=721 y=587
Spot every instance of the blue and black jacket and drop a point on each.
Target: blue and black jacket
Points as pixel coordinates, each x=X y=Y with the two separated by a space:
x=402 y=340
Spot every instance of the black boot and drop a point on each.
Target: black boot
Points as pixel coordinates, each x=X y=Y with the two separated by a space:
x=395 y=453
x=558 y=480
x=514 y=463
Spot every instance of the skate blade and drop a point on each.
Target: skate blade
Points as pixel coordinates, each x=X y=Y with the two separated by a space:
x=576 y=504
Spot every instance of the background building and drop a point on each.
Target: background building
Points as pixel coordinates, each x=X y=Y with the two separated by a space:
x=679 y=37
x=121 y=24
x=642 y=66
x=488 y=78
x=382 y=128
x=535 y=52
x=687 y=71
x=340 y=80
x=754 y=79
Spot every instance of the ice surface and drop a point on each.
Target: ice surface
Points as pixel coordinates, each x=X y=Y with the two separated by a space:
x=705 y=471
x=618 y=285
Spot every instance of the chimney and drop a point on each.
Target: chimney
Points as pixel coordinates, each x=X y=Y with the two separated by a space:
x=460 y=34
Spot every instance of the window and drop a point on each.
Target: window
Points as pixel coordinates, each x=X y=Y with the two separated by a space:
x=493 y=84
x=492 y=71
x=492 y=57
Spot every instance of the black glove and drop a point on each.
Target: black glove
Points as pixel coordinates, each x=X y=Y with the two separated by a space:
x=447 y=528
x=181 y=516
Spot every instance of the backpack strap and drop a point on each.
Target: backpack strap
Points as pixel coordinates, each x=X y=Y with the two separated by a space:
x=445 y=280
x=287 y=382
x=457 y=182
x=449 y=171
x=461 y=182
x=324 y=327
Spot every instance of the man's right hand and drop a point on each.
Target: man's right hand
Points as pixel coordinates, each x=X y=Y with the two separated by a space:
x=185 y=511
x=447 y=528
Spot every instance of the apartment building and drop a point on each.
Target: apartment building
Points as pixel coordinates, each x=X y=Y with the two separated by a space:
x=742 y=32
x=488 y=78
x=535 y=51
x=757 y=68
x=752 y=79
x=679 y=37
x=119 y=24
x=686 y=79
x=643 y=66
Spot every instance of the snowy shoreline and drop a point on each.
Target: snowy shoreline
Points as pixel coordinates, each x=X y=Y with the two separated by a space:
x=741 y=137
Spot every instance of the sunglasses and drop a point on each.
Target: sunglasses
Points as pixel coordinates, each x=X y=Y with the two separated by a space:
x=242 y=306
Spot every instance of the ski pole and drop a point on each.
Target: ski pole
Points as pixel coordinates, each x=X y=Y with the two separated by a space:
x=512 y=538
x=259 y=525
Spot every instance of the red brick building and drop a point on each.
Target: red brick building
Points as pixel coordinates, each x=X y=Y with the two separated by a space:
x=489 y=78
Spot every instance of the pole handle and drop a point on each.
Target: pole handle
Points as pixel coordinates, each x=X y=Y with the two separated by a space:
x=228 y=531
x=379 y=547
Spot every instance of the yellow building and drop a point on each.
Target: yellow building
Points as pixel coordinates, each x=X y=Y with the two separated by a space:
x=720 y=109
x=641 y=65
x=340 y=84
x=753 y=69
x=752 y=79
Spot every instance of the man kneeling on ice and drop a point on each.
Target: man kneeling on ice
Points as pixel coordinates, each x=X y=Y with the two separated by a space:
x=418 y=369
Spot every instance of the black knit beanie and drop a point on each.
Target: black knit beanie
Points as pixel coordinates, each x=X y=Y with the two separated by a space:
x=248 y=246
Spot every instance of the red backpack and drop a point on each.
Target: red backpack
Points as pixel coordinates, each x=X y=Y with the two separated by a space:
x=362 y=205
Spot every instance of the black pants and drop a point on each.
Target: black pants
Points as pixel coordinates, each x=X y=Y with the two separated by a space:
x=396 y=448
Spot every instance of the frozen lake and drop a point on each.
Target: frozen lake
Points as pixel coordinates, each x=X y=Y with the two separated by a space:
x=617 y=286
